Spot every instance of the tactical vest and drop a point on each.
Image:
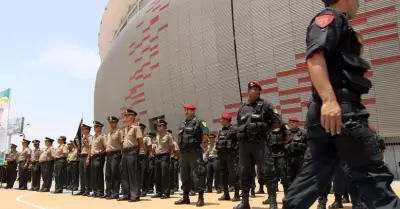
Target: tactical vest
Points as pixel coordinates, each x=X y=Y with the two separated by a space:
x=251 y=124
x=276 y=138
x=189 y=135
x=298 y=145
x=225 y=139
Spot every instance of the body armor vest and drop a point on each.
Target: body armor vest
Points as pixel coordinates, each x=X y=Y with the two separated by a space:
x=189 y=135
x=298 y=144
x=226 y=139
x=251 y=123
x=276 y=138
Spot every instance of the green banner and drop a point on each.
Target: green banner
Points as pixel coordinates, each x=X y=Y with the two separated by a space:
x=4 y=113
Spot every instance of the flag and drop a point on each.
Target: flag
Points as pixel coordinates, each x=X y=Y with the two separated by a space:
x=78 y=137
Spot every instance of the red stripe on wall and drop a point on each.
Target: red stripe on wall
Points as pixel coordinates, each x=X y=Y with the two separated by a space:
x=164 y=7
x=123 y=108
x=154 y=20
x=147 y=76
x=140 y=24
x=138 y=59
x=268 y=81
x=300 y=68
x=386 y=60
x=269 y=90
x=130 y=53
x=154 y=53
x=153 y=67
x=291 y=110
x=163 y=27
x=144 y=112
x=216 y=120
x=145 y=38
x=139 y=77
x=295 y=91
x=138 y=102
x=157 y=7
x=304 y=79
x=304 y=104
x=146 y=29
x=290 y=101
x=369 y=74
x=378 y=28
x=358 y=21
x=135 y=88
x=153 y=47
x=300 y=56
x=232 y=106
x=145 y=64
x=132 y=77
x=145 y=49
x=384 y=38
x=139 y=45
x=368 y=101
x=131 y=45
x=138 y=95
x=373 y=13
x=153 y=39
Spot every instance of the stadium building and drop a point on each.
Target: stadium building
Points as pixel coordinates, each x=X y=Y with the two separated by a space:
x=159 y=54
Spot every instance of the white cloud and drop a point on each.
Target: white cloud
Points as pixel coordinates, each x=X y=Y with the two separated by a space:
x=70 y=58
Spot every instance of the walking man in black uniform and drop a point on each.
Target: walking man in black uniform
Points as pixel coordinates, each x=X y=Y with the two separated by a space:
x=337 y=122
x=84 y=164
x=24 y=160
x=255 y=119
x=296 y=146
x=60 y=162
x=97 y=157
x=227 y=147
x=115 y=139
x=12 y=164
x=192 y=133
x=277 y=146
x=35 y=166
x=46 y=161
x=133 y=141
x=164 y=147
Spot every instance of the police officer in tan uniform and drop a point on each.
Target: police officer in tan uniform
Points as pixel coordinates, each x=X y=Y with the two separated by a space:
x=60 y=161
x=97 y=155
x=35 y=166
x=133 y=141
x=144 y=154
x=213 y=172
x=68 y=168
x=84 y=163
x=12 y=163
x=113 y=153
x=73 y=163
x=163 y=147
x=46 y=161
x=174 y=167
x=23 y=164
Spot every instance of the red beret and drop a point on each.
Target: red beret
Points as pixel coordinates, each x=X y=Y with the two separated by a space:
x=189 y=106
x=226 y=116
x=372 y=127
x=294 y=119
x=252 y=84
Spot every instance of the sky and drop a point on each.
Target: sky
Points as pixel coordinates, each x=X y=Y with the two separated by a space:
x=49 y=59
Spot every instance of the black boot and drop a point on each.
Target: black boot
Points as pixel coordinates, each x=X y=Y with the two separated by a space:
x=200 y=201
x=184 y=200
x=337 y=204
x=273 y=204
x=253 y=193
x=322 y=200
x=260 y=190
x=225 y=196
x=244 y=204
x=236 y=196
x=266 y=202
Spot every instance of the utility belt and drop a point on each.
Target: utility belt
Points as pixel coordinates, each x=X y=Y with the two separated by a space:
x=22 y=161
x=83 y=155
x=61 y=158
x=163 y=155
x=210 y=159
x=34 y=162
x=128 y=149
x=98 y=155
x=109 y=153
x=73 y=161
x=11 y=162
x=143 y=156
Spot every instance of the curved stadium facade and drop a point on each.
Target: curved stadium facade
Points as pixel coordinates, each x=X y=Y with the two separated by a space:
x=164 y=53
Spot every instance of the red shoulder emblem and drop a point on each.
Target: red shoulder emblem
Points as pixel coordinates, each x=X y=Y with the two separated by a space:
x=324 y=20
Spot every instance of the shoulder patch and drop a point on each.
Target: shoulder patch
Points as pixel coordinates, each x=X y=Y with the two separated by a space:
x=204 y=124
x=324 y=20
x=275 y=111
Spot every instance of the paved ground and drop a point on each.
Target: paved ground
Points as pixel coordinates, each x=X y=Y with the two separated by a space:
x=15 y=199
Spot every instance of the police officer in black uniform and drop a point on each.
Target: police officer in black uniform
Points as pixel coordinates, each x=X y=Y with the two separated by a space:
x=277 y=146
x=227 y=146
x=337 y=122
x=192 y=133
x=255 y=119
x=296 y=146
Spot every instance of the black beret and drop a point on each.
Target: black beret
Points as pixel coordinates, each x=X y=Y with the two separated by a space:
x=48 y=139
x=130 y=112
x=86 y=126
x=161 y=122
x=112 y=118
x=97 y=123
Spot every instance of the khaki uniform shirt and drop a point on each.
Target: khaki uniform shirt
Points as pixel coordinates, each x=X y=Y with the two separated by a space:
x=176 y=146
x=131 y=135
x=163 y=143
x=212 y=152
x=86 y=144
x=153 y=142
x=146 y=142
x=114 y=140
x=26 y=152
x=98 y=144
x=59 y=152
x=73 y=155
x=13 y=156
x=36 y=155
x=47 y=155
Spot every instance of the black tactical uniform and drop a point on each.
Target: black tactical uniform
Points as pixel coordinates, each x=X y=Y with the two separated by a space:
x=295 y=149
x=227 y=146
x=331 y=32
x=277 y=147
x=191 y=158
x=254 y=121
